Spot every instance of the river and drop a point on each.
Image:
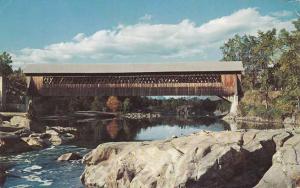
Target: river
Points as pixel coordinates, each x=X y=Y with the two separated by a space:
x=40 y=168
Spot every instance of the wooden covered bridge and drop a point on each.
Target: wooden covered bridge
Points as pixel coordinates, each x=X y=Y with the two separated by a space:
x=203 y=78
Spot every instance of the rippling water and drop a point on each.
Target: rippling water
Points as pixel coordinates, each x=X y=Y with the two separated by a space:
x=40 y=168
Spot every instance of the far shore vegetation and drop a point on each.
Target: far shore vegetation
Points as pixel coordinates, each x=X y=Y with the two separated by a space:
x=270 y=83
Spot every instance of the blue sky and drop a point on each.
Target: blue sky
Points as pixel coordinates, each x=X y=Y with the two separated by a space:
x=96 y=31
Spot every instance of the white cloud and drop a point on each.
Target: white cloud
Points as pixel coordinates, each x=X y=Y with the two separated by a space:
x=144 y=42
x=79 y=37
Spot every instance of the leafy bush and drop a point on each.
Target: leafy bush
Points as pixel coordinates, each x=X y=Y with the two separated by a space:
x=253 y=104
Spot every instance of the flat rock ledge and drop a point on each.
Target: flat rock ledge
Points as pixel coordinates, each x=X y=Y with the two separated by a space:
x=252 y=158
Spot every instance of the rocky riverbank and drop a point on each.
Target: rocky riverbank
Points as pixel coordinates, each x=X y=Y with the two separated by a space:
x=21 y=134
x=260 y=158
x=286 y=122
x=139 y=115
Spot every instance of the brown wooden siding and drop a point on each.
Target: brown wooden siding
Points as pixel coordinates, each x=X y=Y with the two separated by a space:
x=134 y=85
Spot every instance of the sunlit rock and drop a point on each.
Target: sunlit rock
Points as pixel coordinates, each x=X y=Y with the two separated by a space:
x=24 y=122
x=37 y=141
x=204 y=159
x=20 y=121
x=57 y=138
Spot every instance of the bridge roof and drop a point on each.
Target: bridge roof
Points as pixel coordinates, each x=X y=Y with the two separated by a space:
x=218 y=66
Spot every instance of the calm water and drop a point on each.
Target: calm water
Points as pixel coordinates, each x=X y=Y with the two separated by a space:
x=40 y=168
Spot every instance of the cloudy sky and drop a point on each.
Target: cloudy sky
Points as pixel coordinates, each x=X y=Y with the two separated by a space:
x=99 y=31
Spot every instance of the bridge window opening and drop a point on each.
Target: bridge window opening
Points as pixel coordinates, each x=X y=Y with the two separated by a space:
x=144 y=79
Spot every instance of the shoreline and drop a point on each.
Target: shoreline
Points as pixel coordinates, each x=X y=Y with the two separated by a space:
x=259 y=120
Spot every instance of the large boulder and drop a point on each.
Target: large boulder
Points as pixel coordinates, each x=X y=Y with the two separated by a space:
x=20 y=121
x=69 y=157
x=37 y=141
x=10 y=144
x=285 y=171
x=24 y=122
x=204 y=159
x=57 y=138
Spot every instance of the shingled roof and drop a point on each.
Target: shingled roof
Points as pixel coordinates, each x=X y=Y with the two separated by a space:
x=218 y=66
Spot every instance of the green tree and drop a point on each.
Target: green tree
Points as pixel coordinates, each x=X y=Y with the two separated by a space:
x=126 y=105
x=5 y=64
x=243 y=49
x=257 y=55
x=16 y=87
x=97 y=104
x=290 y=63
x=272 y=67
x=265 y=51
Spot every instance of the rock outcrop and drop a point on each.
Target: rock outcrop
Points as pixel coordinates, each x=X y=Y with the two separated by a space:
x=20 y=121
x=10 y=144
x=285 y=171
x=25 y=122
x=15 y=140
x=22 y=134
x=58 y=138
x=204 y=159
x=38 y=141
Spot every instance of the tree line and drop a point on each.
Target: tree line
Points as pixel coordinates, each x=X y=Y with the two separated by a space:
x=122 y=104
x=271 y=81
x=16 y=81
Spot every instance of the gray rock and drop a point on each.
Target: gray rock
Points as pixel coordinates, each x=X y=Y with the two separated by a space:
x=20 y=121
x=10 y=144
x=35 y=142
x=6 y=123
x=69 y=157
x=58 y=138
x=205 y=159
x=23 y=132
x=24 y=122
x=285 y=171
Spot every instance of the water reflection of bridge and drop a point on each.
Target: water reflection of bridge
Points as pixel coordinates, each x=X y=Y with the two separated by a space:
x=91 y=133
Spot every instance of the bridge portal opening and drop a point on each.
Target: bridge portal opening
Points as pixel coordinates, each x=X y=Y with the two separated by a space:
x=181 y=106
